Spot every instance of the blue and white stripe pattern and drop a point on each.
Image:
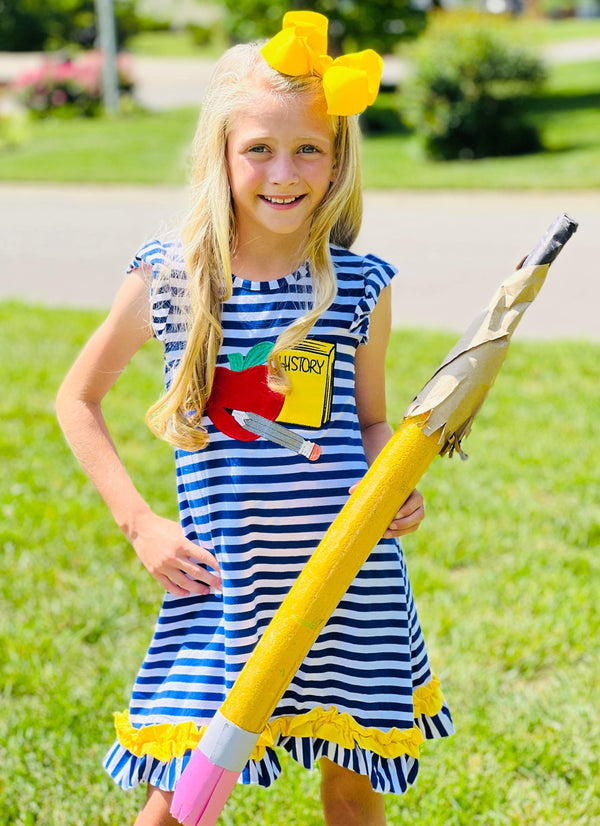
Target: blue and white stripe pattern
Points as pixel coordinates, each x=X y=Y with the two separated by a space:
x=264 y=510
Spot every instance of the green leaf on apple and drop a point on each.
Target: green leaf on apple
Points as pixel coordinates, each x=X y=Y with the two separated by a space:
x=256 y=355
x=236 y=362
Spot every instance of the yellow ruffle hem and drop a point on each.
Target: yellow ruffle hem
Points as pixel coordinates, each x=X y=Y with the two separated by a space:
x=164 y=741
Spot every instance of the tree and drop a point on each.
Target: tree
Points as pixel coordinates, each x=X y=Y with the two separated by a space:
x=354 y=24
x=35 y=25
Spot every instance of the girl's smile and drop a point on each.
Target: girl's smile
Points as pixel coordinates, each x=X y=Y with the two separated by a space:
x=281 y=201
x=280 y=164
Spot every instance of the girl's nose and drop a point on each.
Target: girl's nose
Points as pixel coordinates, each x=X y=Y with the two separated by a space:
x=283 y=170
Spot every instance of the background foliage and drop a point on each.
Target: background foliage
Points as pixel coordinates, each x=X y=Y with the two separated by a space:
x=354 y=24
x=34 y=25
x=468 y=96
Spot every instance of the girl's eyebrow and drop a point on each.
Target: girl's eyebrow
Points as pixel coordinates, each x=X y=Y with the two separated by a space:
x=262 y=138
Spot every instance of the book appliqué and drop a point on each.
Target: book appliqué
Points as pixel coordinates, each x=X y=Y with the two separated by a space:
x=309 y=367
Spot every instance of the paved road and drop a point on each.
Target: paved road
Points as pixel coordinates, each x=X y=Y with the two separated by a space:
x=68 y=245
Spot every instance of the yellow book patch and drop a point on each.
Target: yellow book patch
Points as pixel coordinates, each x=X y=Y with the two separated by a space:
x=309 y=367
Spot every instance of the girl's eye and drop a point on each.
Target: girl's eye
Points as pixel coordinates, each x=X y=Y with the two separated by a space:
x=308 y=149
x=258 y=149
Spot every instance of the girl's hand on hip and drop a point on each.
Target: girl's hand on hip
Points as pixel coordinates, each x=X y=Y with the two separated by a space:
x=408 y=518
x=175 y=563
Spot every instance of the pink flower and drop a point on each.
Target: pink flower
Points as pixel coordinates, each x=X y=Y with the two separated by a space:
x=63 y=71
x=59 y=97
x=27 y=78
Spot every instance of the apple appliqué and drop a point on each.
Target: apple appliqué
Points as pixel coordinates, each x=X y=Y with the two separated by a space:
x=243 y=387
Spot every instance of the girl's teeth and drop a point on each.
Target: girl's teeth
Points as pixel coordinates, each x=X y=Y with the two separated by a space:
x=280 y=200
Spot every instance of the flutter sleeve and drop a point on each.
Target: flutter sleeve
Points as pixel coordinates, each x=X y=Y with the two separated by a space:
x=153 y=260
x=377 y=274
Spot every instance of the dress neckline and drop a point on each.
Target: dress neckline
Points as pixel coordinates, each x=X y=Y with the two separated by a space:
x=272 y=284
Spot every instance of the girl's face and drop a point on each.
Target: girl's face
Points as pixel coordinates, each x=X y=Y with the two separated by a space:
x=280 y=164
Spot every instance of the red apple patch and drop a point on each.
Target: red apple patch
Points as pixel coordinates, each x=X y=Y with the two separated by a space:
x=244 y=387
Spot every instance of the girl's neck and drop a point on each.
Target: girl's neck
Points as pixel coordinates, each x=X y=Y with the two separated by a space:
x=265 y=265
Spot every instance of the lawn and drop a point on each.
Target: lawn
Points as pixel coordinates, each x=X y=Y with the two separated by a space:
x=152 y=148
x=145 y=148
x=506 y=570
x=546 y=32
x=177 y=44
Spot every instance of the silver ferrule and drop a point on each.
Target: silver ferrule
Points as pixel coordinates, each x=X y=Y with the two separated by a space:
x=227 y=745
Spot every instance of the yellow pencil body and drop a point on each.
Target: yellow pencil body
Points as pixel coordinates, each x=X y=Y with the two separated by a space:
x=327 y=576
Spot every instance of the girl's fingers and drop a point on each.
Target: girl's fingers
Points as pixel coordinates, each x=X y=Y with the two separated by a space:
x=203 y=577
x=408 y=518
x=170 y=586
x=203 y=554
x=183 y=572
x=412 y=504
x=177 y=564
x=188 y=584
x=189 y=573
x=176 y=582
x=194 y=565
x=405 y=525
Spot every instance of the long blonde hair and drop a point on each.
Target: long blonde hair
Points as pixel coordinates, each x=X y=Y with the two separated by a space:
x=209 y=236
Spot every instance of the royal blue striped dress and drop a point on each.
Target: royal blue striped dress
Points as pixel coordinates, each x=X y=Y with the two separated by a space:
x=365 y=696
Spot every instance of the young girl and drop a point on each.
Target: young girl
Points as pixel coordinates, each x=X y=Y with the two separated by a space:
x=274 y=338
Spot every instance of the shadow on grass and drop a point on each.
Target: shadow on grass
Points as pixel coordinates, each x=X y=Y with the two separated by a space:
x=553 y=107
x=557 y=104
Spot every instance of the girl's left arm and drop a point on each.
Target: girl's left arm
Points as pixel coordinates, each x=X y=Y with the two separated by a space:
x=371 y=407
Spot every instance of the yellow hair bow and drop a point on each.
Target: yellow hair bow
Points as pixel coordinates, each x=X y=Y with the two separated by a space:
x=350 y=83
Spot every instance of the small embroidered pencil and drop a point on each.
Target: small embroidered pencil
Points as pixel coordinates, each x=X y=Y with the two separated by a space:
x=276 y=433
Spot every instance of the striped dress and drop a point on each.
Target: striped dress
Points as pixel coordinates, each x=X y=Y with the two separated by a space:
x=365 y=696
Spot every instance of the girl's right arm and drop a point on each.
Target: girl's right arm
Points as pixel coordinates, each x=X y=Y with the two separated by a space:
x=174 y=561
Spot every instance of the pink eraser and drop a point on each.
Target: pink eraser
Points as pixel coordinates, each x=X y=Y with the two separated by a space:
x=202 y=791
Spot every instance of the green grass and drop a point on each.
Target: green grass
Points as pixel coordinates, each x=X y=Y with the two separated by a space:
x=506 y=571
x=141 y=148
x=547 y=32
x=176 y=44
x=153 y=148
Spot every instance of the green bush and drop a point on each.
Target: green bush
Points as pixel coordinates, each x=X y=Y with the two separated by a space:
x=467 y=97
x=201 y=35
x=382 y=118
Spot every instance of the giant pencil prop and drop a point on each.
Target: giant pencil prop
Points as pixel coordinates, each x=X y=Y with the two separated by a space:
x=435 y=423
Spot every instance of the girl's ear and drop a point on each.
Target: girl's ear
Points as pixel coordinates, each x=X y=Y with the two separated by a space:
x=334 y=174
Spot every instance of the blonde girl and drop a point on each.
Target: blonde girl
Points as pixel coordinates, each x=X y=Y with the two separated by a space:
x=274 y=337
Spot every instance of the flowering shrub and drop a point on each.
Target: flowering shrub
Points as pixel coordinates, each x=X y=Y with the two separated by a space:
x=69 y=88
